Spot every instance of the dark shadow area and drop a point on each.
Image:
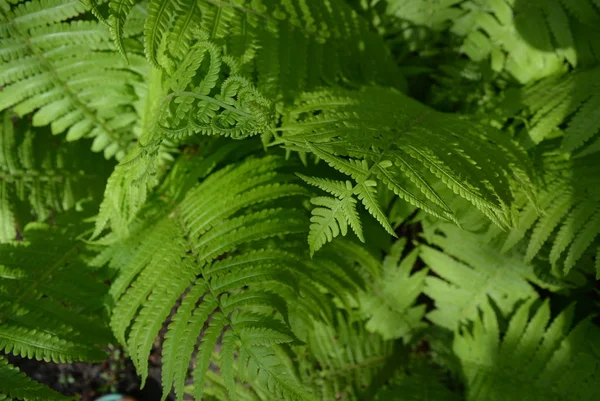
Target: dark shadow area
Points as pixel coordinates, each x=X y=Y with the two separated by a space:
x=93 y=380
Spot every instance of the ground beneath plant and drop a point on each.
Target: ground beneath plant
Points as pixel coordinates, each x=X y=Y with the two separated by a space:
x=88 y=381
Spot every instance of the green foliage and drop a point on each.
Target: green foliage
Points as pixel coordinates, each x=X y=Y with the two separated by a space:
x=66 y=74
x=42 y=175
x=468 y=273
x=549 y=357
x=528 y=40
x=52 y=306
x=326 y=200
x=363 y=135
x=15 y=384
x=565 y=229
x=389 y=303
x=221 y=252
x=560 y=105
x=44 y=315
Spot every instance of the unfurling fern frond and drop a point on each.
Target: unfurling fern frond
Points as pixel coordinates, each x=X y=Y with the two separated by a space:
x=380 y=137
x=469 y=271
x=15 y=385
x=551 y=359
x=40 y=174
x=245 y=289
x=65 y=72
x=202 y=101
x=331 y=42
x=389 y=305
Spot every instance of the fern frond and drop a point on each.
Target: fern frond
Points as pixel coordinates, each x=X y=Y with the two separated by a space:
x=65 y=72
x=331 y=218
x=389 y=305
x=15 y=385
x=50 y=311
x=43 y=175
x=528 y=40
x=220 y=251
x=565 y=104
x=158 y=20
x=119 y=9
x=549 y=358
x=567 y=227
x=350 y=358
x=329 y=38
x=469 y=272
x=363 y=135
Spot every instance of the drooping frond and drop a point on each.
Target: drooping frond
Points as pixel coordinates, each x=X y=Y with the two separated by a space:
x=549 y=359
x=560 y=105
x=245 y=289
x=51 y=302
x=469 y=271
x=389 y=304
x=41 y=174
x=64 y=71
x=380 y=137
x=15 y=385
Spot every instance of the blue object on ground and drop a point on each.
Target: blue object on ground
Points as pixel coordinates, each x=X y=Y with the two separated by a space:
x=110 y=397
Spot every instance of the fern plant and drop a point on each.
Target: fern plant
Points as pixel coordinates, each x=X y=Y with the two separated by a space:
x=303 y=200
x=44 y=316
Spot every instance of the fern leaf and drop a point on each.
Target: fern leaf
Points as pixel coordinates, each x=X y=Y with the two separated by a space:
x=366 y=192
x=334 y=125
x=119 y=9
x=489 y=274
x=582 y=240
x=545 y=226
x=532 y=353
x=219 y=233
x=44 y=174
x=51 y=311
x=209 y=340
x=16 y=385
x=157 y=23
x=71 y=79
x=331 y=218
x=336 y=188
x=557 y=101
x=186 y=19
x=578 y=216
x=350 y=357
x=390 y=305
x=583 y=126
